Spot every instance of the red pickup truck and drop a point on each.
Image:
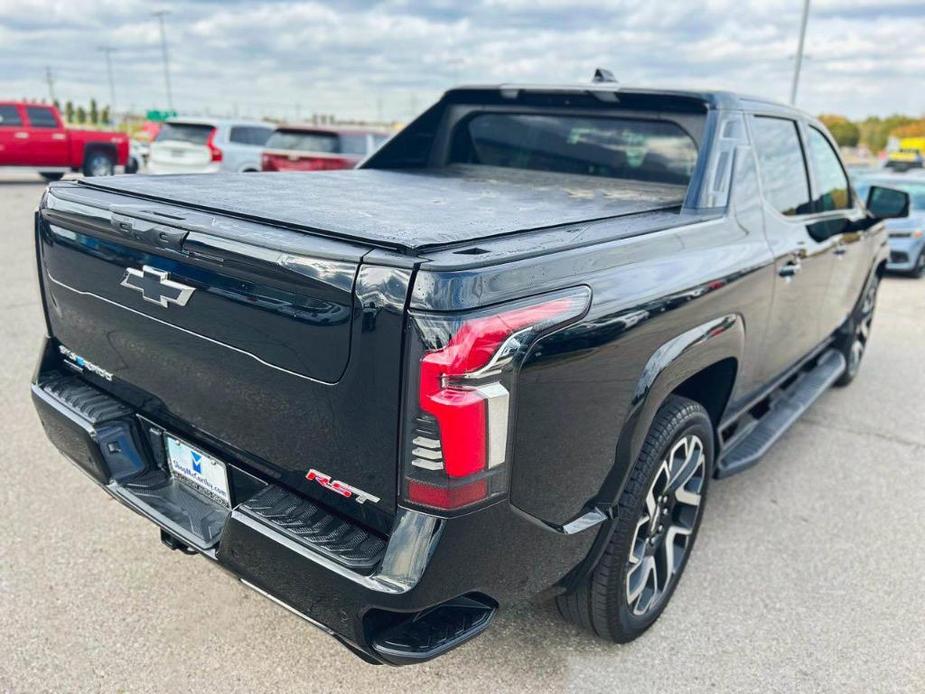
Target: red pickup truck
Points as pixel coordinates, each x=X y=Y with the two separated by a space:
x=33 y=136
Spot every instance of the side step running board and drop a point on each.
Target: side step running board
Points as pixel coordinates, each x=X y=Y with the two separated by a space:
x=785 y=410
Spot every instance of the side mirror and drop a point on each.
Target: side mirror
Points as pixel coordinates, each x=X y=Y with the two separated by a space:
x=887 y=203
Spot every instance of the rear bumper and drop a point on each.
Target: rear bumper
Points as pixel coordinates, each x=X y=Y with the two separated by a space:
x=160 y=167
x=433 y=584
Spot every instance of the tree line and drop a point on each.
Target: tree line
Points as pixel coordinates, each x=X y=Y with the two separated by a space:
x=91 y=115
x=873 y=132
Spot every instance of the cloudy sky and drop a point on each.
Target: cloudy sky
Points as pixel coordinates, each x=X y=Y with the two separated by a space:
x=391 y=58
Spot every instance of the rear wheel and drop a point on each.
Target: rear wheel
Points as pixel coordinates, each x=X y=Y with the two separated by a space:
x=657 y=521
x=51 y=175
x=854 y=344
x=99 y=163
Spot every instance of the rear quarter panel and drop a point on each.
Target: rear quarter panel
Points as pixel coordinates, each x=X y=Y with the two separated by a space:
x=664 y=305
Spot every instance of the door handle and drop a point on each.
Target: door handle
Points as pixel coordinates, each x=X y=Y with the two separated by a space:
x=790 y=268
x=21 y=136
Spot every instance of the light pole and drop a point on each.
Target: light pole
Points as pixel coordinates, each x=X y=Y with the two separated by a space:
x=798 y=63
x=160 y=18
x=108 y=51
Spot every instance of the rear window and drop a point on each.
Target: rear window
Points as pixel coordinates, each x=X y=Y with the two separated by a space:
x=194 y=133
x=9 y=116
x=249 y=135
x=302 y=141
x=641 y=150
x=41 y=117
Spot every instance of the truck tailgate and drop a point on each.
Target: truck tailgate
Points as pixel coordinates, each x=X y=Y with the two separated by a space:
x=248 y=337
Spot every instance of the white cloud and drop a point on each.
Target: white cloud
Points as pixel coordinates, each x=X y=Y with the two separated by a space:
x=358 y=58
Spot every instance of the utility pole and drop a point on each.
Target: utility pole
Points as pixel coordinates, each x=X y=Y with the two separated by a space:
x=798 y=64
x=51 y=83
x=108 y=51
x=160 y=18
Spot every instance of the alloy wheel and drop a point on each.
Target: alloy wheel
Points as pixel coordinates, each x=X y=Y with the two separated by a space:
x=862 y=332
x=665 y=527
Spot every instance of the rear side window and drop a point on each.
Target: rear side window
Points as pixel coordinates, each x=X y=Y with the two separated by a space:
x=9 y=116
x=353 y=143
x=304 y=141
x=249 y=135
x=193 y=133
x=783 y=169
x=833 y=191
x=40 y=117
x=642 y=150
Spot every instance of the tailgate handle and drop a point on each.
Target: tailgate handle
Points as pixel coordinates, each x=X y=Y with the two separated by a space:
x=147 y=232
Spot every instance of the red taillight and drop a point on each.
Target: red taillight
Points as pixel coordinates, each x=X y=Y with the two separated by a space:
x=456 y=447
x=210 y=143
x=267 y=163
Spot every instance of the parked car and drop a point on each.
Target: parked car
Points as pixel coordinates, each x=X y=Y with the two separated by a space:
x=504 y=357
x=907 y=236
x=208 y=145
x=33 y=136
x=313 y=148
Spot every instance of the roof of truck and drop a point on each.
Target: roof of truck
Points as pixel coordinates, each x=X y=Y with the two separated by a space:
x=407 y=209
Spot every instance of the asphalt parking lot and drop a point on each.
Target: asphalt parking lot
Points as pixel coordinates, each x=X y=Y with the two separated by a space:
x=807 y=576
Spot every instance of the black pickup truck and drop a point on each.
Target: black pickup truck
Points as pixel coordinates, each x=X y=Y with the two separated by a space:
x=503 y=358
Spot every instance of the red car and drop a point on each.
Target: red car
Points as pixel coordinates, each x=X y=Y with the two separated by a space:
x=33 y=136
x=313 y=148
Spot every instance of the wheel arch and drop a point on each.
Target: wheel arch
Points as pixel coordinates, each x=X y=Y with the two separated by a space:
x=94 y=147
x=688 y=365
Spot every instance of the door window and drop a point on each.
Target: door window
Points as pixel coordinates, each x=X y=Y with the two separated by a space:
x=9 y=116
x=249 y=135
x=41 y=117
x=781 y=164
x=834 y=193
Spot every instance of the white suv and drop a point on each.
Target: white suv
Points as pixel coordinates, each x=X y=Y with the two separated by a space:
x=208 y=145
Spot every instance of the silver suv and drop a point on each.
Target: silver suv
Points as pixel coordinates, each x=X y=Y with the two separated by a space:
x=208 y=145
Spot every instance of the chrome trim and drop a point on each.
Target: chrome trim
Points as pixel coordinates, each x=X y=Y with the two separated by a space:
x=428 y=453
x=497 y=402
x=188 y=332
x=427 y=464
x=426 y=441
x=163 y=278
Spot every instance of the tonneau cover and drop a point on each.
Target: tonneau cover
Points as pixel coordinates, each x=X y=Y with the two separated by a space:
x=407 y=209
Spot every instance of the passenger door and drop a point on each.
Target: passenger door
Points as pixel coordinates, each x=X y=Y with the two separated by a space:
x=837 y=209
x=47 y=137
x=13 y=136
x=803 y=261
x=245 y=145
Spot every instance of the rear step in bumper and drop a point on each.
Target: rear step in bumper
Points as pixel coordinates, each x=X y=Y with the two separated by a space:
x=355 y=585
x=783 y=413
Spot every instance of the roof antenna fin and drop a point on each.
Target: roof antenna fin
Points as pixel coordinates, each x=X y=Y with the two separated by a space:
x=603 y=75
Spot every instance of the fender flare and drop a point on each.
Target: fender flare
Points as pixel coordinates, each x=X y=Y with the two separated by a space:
x=669 y=366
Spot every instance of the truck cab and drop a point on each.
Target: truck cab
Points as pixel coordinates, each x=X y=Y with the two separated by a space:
x=34 y=136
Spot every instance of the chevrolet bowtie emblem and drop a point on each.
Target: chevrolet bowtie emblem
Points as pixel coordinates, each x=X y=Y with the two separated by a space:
x=156 y=287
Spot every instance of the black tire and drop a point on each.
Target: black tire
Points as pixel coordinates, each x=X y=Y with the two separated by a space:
x=131 y=166
x=99 y=163
x=919 y=270
x=602 y=603
x=852 y=343
x=51 y=175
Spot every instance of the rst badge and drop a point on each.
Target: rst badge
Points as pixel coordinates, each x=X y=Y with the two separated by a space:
x=156 y=286
x=342 y=488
